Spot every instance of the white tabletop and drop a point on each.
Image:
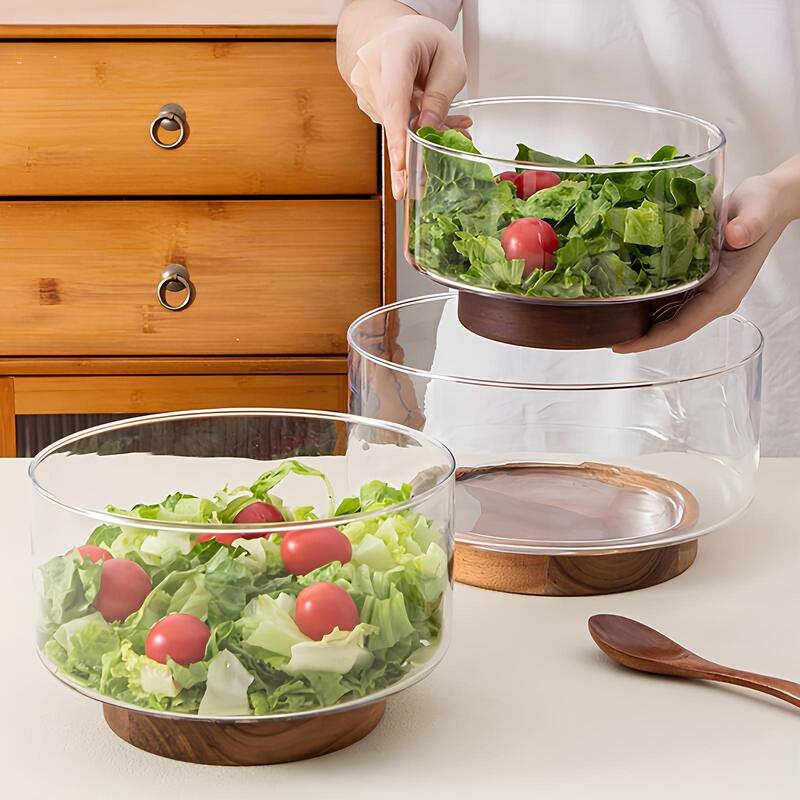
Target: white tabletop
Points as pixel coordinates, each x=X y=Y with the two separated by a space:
x=523 y=705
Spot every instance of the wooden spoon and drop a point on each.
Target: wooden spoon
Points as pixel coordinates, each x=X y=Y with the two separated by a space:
x=636 y=646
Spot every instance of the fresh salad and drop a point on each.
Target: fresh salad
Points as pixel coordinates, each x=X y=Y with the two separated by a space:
x=221 y=624
x=556 y=234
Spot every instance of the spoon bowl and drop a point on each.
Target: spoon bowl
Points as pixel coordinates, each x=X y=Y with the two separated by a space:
x=639 y=647
x=620 y=637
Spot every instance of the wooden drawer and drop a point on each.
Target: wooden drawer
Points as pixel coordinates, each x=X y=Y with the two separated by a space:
x=264 y=117
x=271 y=276
x=144 y=394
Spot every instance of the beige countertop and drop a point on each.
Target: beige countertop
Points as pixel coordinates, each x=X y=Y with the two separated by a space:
x=523 y=704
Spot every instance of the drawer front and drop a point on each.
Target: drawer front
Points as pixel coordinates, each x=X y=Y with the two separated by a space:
x=145 y=394
x=264 y=118
x=270 y=277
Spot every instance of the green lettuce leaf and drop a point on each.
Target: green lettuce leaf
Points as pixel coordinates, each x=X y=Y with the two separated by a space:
x=644 y=225
x=268 y=624
x=672 y=262
x=70 y=586
x=269 y=480
x=226 y=687
x=338 y=651
x=489 y=266
x=554 y=203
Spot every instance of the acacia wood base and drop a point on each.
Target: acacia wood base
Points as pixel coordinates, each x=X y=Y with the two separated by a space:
x=241 y=744
x=528 y=323
x=562 y=576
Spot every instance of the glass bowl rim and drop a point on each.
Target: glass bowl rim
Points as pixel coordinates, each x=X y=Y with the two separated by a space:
x=444 y=297
x=275 y=527
x=463 y=106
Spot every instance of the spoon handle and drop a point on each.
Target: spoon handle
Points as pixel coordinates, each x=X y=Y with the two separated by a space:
x=777 y=687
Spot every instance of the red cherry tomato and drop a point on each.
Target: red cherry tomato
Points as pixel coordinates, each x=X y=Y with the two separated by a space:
x=530 y=181
x=123 y=588
x=182 y=637
x=532 y=239
x=258 y=512
x=251 y=514
x=305 y=550
x=91 y=551
x=508 y=175
x=322 y=607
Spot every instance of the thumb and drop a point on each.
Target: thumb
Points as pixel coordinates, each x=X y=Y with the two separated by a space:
x=445 y=80
x=751 y=213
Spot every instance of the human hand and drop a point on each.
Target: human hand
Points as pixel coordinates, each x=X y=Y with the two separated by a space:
x=410 y=71
x=758 y=212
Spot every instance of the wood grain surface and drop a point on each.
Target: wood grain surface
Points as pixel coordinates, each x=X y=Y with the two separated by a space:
x=168 y=31
x=265 y=118
x=582 y=574
x=271 y=277
x=571 y=575
x=8 y=440
x=174 y=365
x=555 y=327
x=246 y=743
x=639 y=647
x=145 y=394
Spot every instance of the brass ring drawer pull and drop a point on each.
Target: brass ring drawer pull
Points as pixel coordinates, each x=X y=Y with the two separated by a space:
x=175 y=278
x=171 y=117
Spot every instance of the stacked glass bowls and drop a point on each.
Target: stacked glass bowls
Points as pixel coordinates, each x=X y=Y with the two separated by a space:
x=638 y=225
x=186 y=556
x=581 y=452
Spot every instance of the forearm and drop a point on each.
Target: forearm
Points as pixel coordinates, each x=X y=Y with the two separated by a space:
x=360 y=22
x=787 y=177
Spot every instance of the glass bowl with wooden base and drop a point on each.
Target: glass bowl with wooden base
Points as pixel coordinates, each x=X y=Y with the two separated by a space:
x=564 y=222
x=579 y=472
x=243 y=586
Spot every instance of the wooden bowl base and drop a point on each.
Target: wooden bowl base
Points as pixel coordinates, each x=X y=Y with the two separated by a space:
x=238 y=744
x=569 y=576
x=562 y=327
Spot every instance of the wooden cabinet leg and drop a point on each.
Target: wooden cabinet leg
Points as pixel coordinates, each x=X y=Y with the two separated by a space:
x=8 y=428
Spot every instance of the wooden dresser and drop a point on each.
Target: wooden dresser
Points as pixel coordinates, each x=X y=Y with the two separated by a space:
x=147 y=166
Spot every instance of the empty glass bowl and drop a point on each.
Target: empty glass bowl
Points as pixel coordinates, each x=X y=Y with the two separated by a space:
x=240 y=564
x=566 y=222
x=582 y=452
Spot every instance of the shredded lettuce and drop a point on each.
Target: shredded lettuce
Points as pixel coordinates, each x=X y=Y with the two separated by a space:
x=620 y=233
x=257 y=660
x=268 y=624
x=338 y=651
x=226 y=687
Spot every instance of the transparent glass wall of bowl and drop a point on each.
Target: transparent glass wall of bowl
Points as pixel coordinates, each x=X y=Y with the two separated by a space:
x=143 y=460
x=688 y=413
x=609 y=131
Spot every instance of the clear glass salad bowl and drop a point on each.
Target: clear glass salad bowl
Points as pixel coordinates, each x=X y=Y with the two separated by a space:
x=242 y=564
x=566 y=222
x=570 y=453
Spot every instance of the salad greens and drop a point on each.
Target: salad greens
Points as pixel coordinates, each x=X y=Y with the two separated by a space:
x=619 y=233
x=257 y=660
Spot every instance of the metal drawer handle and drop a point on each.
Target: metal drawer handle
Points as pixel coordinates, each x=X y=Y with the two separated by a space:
x=175 y=278
x=171 y=117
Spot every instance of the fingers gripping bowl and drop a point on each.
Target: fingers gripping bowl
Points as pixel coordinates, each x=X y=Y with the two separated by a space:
x=551 y=248
x=242 y=564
